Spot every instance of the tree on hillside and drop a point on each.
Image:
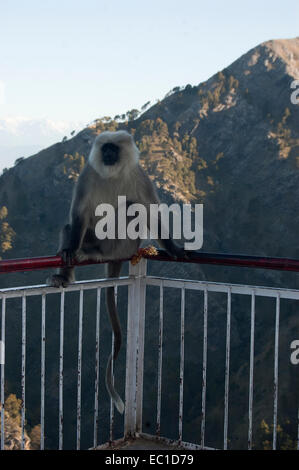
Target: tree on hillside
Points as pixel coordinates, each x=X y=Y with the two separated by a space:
x=7 y=234
x=132 y=114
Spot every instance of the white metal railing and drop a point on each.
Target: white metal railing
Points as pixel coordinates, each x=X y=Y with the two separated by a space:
x=229 y=289
x=23 y=293
x=137 y=282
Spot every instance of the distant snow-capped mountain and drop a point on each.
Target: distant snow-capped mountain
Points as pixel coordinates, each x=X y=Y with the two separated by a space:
x=21 y=136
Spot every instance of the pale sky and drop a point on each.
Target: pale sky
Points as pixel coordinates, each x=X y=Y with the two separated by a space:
x=75 y=60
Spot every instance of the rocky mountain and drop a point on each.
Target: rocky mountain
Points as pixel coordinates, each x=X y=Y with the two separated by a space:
x=231 y=143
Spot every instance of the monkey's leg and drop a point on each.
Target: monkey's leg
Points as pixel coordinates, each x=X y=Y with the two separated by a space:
x=114 y=269
x=63 y=278
x=64 y=275
x=169 y=245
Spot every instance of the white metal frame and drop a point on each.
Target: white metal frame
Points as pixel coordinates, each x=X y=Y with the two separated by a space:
x=137 y=281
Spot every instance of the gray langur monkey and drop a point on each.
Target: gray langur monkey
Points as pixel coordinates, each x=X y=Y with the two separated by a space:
x=112 y=170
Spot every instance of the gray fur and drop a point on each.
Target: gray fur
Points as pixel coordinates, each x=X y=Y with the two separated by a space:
x=99 y=183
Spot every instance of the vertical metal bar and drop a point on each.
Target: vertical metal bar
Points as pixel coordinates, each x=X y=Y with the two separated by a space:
x=97 y=371
x=227 y=362
x=160 y=360
x=182 y=365
x=23 y=372
x=276 y=346
x=134 y=374
x=42 y=379
x=3 y=374
x=111 y=419
x=252 y=325
x=112 y=372
x=130 y=358
x=140 y=352
x=79 y=370
x=61 y=344
x=204 y=367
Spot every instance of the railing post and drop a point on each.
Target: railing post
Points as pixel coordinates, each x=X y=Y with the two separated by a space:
x=135 y=350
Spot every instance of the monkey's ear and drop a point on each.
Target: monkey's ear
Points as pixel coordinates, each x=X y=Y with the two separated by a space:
x=125 y=138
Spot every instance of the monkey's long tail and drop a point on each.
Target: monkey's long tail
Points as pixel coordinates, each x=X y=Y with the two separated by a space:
x=113 y=271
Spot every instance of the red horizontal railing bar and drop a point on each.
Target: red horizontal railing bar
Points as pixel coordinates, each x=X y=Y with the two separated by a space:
x=46 y=262
x=43 y=262
x=220 y=259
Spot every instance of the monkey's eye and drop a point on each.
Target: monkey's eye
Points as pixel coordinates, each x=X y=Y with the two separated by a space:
x=110 y=154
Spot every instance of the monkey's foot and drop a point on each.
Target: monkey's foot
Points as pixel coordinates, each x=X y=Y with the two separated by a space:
x=57 y=280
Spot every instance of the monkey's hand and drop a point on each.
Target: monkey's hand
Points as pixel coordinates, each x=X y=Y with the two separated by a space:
x=68 y=256
x=177 y=251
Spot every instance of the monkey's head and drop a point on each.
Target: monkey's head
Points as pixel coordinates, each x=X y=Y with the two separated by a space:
x=113 y=154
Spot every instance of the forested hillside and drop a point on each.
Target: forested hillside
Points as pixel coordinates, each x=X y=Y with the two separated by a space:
x=231 y=143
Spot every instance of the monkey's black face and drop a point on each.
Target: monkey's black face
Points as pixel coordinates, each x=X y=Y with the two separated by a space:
x=110 y=154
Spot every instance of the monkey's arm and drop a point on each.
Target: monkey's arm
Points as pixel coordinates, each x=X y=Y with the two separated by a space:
x=169 y=245
x=74 y=232
x=150 y=196
x=72 y=237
